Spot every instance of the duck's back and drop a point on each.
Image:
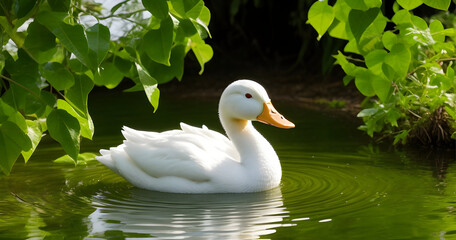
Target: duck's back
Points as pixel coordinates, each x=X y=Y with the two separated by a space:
x=190 y=154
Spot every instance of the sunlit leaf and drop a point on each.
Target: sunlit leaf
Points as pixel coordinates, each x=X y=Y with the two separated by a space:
x=402 y=17
x=367 y=112
x=85 y=122
x=363 y=81
x=188 y=8
x=108 y=75
x=409 y=4
x=382 y=86
x=437 y=31
x=399 y=59
x=389 y=39
x=34 y=132
x=361 y=20
x=150 y=86
x=438 y=4
x=357 y=4
x=83 y=159
x=65 y=129
x=374 y=61
x=202 y=51
x=348 y=67
x=320 y=16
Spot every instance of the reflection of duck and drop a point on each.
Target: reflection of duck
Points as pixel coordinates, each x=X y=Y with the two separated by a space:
x=199 y=160
x=133 y=212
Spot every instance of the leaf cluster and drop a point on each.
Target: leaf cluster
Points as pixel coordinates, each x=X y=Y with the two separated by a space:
x=56 y=51
x=404 y=65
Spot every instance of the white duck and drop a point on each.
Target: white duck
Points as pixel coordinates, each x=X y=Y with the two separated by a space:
x=199 y=160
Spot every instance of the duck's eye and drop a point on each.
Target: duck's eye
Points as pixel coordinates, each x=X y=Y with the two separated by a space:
x=248 y=95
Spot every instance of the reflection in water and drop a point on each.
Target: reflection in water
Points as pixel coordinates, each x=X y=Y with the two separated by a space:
x=143 y=213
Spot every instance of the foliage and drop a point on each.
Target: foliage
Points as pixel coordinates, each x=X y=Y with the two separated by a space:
x=404 y=65
x=55 y=52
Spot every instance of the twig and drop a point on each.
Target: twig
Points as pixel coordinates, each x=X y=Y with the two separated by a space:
x=414 y=114
x=354 y=59
x=445 y=59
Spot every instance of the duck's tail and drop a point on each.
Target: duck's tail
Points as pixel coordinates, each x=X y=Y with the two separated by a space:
x=107 y=159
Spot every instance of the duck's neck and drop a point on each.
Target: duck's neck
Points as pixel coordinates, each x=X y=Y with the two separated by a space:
x=255 y=151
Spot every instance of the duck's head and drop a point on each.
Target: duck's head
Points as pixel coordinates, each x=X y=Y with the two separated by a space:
x=248 y=100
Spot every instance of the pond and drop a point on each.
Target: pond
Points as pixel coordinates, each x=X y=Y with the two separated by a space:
x=336 y=185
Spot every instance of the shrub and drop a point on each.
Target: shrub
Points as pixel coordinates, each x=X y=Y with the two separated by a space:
x=404 y=65
x=55 y=51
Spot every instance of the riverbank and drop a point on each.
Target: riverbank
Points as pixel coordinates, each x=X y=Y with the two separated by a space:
x=312 y=91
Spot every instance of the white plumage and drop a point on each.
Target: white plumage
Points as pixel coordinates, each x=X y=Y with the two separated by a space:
x=199 y=160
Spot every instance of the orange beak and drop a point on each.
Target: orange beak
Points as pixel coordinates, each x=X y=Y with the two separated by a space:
x=272 y=117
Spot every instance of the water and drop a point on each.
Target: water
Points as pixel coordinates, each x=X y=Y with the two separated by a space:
x=336 y=185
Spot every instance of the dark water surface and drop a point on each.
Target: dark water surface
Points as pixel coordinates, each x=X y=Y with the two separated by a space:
x=336 y=185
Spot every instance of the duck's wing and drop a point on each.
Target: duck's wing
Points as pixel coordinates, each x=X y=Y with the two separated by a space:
x=189 y=153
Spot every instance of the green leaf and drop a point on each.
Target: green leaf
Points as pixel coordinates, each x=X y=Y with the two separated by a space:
x=205 y=15
x=438 y=4
x=158 y=8
x=202 y=51
x=402 y=17
x=373 y=3
x=108 y=75
x=40 y=42
x=320 y=16
x=389 y=39
x=399 y=59
x=16 y=135
x=357 y=4
x=188 y=8
x=162 y=73
x=23 y=7
x=402 y=137
x=78 y=94
x=348 y=67
x=359 y=21
x=83 y=159
x=71 y=36
x=98 y=38
x=367 y=112
x=34 y=133
x=85 y=122
x=150 y=86
x=65 y=129
x=77 y=66
x=187 y=27
x=59 y=5
x=410 y=4
x=437 y=31
x=157 y=43
x=374 y=61
x=57 y=75
x=9 y=151
x=367 y=33
x=363 y=81
x=382 y=87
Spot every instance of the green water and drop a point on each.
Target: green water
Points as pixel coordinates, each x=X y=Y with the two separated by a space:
x=336 y=185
